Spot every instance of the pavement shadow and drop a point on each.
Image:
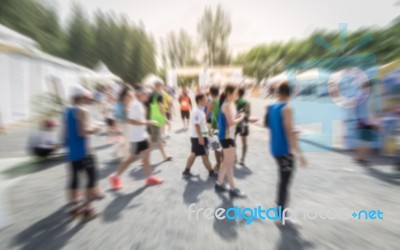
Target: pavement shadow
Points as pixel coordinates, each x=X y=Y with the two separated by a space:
x=382 y=176
x=242 y=171
x=226 y=229
x=138 y=173
x=101 y=147
x=181 y=131
x=194 y=187
x=35 y=166
x=51 y=232
x=291 y=239
x=113 y=211
x=108 y=168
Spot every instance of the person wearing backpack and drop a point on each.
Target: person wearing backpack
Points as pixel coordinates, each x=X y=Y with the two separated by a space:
x=125 y=97
x=242 y=128
x=156 y=113
x=213 y=112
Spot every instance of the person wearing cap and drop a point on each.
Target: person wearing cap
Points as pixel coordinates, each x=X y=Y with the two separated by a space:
x=46 y=141
x=156 y=112
x=76 y=133
x=139 y=142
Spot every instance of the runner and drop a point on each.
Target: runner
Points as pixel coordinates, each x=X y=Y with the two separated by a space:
x=212 y=113
x=120 y=113
x=242 y=129
x=108 y=112
x=284 y=146
x=76 y=132
x=156 y=113
x=168 y=109
x=198 y=138
x=227 y=121
x=45 y=142
x=185 y=107
x=138 y=136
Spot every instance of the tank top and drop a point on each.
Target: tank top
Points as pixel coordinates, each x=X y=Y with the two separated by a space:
x=225 y=131
x=76 y=144
x=184 y=101
x=215 y=114
x=279 y=143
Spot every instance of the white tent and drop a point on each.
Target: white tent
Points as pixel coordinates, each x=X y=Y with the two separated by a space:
x=101 y=75
x=26 y=72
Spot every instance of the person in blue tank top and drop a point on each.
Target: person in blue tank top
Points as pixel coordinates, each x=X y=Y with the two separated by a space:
x=76 y=134
x=283 y=140
x=227 y=121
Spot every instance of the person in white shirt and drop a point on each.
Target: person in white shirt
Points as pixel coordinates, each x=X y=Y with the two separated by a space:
x=46 y=141
x=138 y=137
x=199 y=141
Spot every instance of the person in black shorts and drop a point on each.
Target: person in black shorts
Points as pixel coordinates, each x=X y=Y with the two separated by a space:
x=139 y=139
x=198 y=138
x=242 y=128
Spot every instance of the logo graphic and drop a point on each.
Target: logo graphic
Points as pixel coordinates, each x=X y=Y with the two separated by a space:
x=331 y=90
x=249 y=215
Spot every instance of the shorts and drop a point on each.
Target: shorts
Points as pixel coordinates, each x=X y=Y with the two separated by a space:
x=88 y=165
x=138 y=147
x=227 y=143
x=155 y=134
x=209 y=121
x=242 y=131
x=367 y=133
x=42 y=152
x=168 y=115
x=110 y=122
x=185 y=114
x=285 y=162
x=197 y=149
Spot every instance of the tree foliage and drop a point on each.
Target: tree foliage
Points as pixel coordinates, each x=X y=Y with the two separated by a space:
x=126 y=48
x=214 y=30
x=271 y=59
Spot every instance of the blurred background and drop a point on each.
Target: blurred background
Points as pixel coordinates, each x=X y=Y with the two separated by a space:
x=327 y=51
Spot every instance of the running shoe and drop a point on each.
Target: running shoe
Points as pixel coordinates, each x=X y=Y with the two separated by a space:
x=154 y=180
x=188 y=174
x=236 y=193
x=213 y=174
x=115 y=182
x=221 y=187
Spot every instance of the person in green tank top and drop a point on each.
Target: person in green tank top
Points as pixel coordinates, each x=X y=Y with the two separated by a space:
x=213 y=112
x=242 y=128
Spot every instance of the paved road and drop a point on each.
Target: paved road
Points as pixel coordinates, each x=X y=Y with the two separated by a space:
x=140 y=217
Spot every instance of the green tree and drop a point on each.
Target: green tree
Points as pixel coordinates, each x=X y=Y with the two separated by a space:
x=214 y=30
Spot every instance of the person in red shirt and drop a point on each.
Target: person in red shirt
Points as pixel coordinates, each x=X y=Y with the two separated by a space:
x=185 y=105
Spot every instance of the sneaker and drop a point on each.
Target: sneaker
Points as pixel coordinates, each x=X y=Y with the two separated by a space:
x=236 y=193
x=154 y=180
x=221 y=187
x=188 y=174
x=115 y=182
x=213 y=174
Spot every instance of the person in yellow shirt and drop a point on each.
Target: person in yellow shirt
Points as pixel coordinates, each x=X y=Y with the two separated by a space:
x=167 y=104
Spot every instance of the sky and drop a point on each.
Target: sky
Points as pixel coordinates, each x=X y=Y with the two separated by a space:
x=253 y=21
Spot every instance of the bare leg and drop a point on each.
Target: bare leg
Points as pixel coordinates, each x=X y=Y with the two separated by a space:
x=162 y=150
x=125 y=164
x=229 y=159
x=244 y=148
x=190 y=161
x=229 y=165
x=207 y=163
x=148 y=171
